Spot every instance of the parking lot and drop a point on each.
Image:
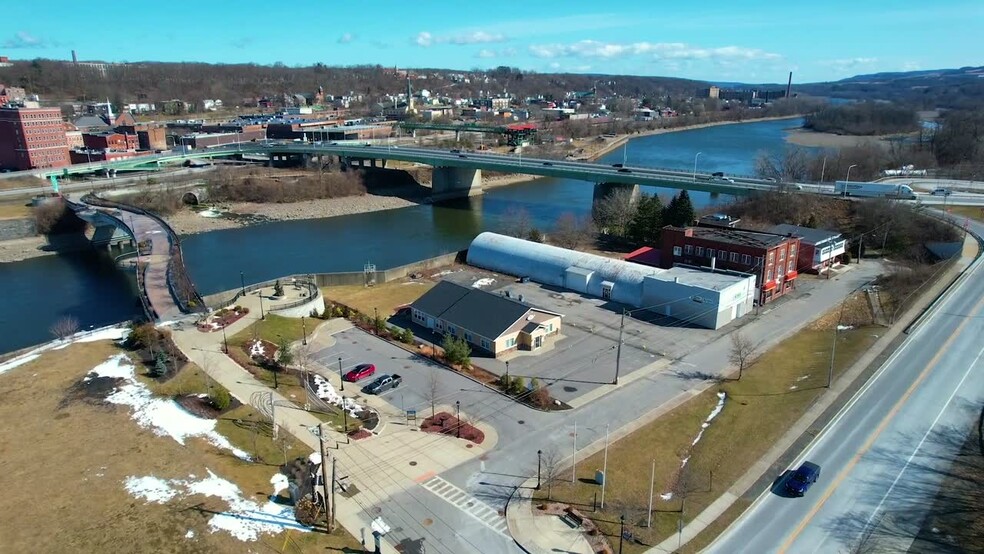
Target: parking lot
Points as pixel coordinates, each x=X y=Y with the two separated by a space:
x=584 y=357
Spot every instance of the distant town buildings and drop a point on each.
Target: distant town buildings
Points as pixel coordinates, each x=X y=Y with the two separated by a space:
x=748 y=96
x=10 y=94
x=32 y=138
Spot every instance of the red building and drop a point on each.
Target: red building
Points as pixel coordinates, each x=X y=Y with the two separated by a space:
x=87 y=156
x=772 y=258
x=110 y=141
x=32 y=138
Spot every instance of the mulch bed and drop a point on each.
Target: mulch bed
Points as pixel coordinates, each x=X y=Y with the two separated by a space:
x=447 y=424
x=223 y=318
x=359 y=435
x=202 y=407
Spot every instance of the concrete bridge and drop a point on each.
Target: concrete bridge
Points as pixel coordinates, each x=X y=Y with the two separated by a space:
x=166 y=291
x=456 y=173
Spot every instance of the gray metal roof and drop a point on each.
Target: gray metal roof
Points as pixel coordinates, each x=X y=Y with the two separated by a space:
x=475 y=310
x=807 y=234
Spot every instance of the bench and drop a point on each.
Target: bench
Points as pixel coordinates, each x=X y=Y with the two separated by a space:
x=572 y=519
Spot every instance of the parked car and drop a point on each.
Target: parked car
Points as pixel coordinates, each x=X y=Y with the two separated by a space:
x=382 y=384
x=616 y=165
x=942 y=192
x=717 y=174
x=802 y=478
x=547 y=163
x=360 y=372
x=624 y=170
x=723 y=179
x=456 y=151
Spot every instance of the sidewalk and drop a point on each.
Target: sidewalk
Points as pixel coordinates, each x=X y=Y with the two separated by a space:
x=377 y=466
x=801 y=426
x=541 y=534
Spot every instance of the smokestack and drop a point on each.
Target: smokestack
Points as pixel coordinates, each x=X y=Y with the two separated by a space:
x=75 y=59
x=789 y=84
x=713 y=263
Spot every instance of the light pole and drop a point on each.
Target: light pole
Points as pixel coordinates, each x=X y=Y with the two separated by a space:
x=621 y=531
x=242 y=281
x=539 y=457
x=852 y=166
x=225 y=343
x=823 y=168
x=303 y=332
x=618 y=351
x=507 y=371
x=457 y=415
x=262 y=315
x=695 y=165
x=340 y=379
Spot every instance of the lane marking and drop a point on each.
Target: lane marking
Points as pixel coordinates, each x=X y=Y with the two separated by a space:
x=842 y=475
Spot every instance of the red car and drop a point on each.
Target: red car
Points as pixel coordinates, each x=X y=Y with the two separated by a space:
x=360 y=371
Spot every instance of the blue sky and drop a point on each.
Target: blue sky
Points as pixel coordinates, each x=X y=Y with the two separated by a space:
x=710 y=40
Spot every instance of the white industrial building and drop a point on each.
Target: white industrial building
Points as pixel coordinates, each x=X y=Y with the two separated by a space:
x=703 y=298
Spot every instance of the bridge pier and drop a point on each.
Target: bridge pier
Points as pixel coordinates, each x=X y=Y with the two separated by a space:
x=455 y=182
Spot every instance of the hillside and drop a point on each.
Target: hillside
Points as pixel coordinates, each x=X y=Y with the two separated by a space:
x=927 y=89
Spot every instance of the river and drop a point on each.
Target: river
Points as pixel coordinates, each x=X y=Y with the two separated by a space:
x=41 y=290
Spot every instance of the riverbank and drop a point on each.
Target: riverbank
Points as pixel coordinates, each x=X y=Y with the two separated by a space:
x=814 y=139
x=619 y=140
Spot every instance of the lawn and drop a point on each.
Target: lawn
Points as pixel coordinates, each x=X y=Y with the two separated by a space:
x=773 y=392
x=973 y=212
x=271 y=328
x=15 y=210
x=88 y=448
x=385 y=297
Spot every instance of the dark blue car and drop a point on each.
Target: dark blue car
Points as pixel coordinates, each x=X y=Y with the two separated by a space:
x=801 y=479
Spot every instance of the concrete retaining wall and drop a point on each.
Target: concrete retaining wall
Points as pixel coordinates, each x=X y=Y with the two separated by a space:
x=24 y=227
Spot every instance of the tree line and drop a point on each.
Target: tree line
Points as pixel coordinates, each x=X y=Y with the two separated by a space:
x=863 y=118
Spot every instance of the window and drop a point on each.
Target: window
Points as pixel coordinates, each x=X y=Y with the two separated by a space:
x=452 y=330
x=768 y=275
x=792 y=266
x=485 y=344
x=700 y=250
x=688 y=249
x=782 y=254
x=710 y=252
x=734 y=257
x=723 y=255
x=772 y=256
x=677 y=251
x=550 y=327
x=468 y=337
x=758 y=261
x=746 y=259
x=510 y=343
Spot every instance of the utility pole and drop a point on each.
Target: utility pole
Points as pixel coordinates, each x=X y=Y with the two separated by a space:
x=652 y=483
x=860 y=247
x=334 y=473
x=618 y=351
x=604 y=471
x=329 y=517
x=340 y=379
x=574 y=455
x=833 y=353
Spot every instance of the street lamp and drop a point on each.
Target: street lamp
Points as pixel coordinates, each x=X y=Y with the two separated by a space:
x=507 y=371
x=303 y=332
x=457 y=415
x=539 y=456
x=621 y=531
x=340 y=379
x=695 y=165
x=242 y=281
x=225 y=343
x=852 y=166
x=260 y=294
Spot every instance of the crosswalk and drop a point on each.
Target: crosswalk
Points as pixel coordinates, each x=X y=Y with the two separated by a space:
x=468 y=504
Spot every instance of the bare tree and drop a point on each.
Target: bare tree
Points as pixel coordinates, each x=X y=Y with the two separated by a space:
x=571 y=231
x=64 y=327
x=789 y=165
x=516 y=222
x=742 y=351
x=433 y=390
x=615 y=211
x=550 y=468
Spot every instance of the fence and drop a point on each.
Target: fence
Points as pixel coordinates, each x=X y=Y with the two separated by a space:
x=216 y=301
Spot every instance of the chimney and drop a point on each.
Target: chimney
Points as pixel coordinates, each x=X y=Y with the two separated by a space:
x=688 y=232
x=789 y=84
x=75 y=59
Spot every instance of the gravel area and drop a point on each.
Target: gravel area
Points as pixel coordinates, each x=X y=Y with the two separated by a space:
x=238 y=214
x=22 y=249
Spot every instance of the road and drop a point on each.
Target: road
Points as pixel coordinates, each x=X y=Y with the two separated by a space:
x=883 y=454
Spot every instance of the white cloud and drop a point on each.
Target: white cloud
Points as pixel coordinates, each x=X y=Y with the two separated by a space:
x=911 y=66
x=424 y=39
x=475 y=37
x=23 y=39
x=655 y=50
x=485 y=53
x=848 y=63
x=346 y=38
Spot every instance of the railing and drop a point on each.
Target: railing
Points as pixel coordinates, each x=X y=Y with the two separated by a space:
x=178 y=282
x=306 y=281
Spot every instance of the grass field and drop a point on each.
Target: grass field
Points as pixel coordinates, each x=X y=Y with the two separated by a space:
x=73 y=499
x=385 y=297
x=15 y=210
x=973 y=212
x=271 y=328
x=24 y=182
x=775 y=391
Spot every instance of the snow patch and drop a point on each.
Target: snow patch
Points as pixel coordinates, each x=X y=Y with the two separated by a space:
x=245 y=519
x=190 y=534
x=845 y=327
x=19 y=361
x=703 y=427
x=666 y=496
x=150 y=488
x=108 y=333
x=483 y=282
x=164 y=416
x=279 y=482
x=327 y=392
